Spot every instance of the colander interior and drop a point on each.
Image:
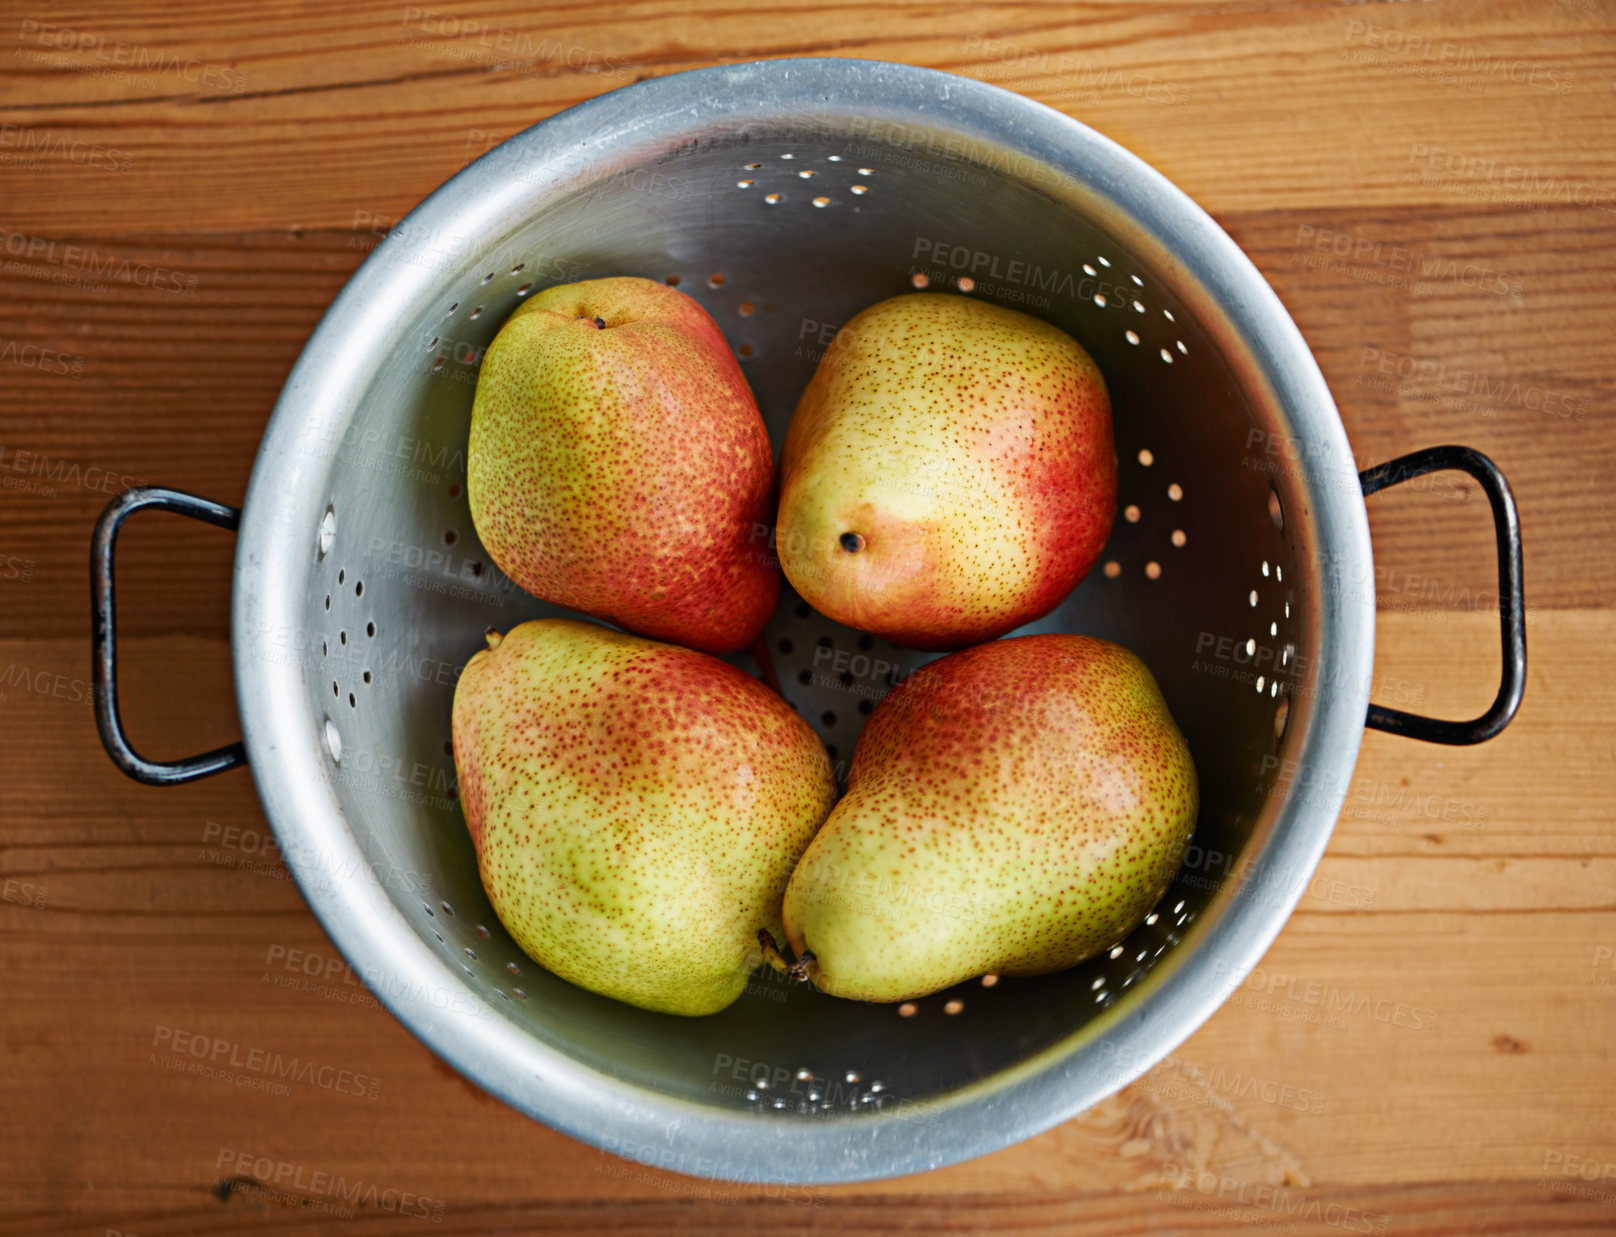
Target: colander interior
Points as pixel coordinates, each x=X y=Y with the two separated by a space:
x=783 y=235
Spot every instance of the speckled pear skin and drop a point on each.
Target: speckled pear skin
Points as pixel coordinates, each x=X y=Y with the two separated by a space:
x=1011 y=809
x=636 y=808
x=626 y=472
x=970 y=446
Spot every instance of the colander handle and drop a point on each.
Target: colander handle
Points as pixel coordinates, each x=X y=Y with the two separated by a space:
x=1511 y=601
x=105 y=650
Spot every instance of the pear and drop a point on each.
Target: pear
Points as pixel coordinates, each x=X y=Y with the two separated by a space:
x=1011 y=809
x=618 y=464
x=636 y=808
x=949 y=473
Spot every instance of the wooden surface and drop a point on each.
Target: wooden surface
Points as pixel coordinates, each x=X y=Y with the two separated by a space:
x=1478 y=885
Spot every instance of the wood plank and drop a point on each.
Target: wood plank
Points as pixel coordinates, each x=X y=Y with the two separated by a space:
x=1452 y=1210
x=385 y=102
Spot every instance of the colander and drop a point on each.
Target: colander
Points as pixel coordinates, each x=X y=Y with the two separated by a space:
x=785 y=196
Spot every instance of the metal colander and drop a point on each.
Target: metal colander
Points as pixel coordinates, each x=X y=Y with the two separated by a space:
x=786 y=196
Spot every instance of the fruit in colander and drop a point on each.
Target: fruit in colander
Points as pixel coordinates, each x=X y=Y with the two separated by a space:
x=636 y=808
x=949 y=473
x=618 y=464
x=1012 y=809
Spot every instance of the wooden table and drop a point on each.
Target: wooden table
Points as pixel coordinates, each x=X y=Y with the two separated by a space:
x=246 y=157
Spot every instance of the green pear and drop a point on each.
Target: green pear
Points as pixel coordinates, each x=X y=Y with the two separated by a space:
x=949 y=473
x=1012 y=809
x=636 y=808
x=618 y=464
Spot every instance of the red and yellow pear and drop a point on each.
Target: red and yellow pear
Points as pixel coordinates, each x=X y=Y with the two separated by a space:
x=949 y=473
x=618 y=464
x=1012 y=809
x=636 y=808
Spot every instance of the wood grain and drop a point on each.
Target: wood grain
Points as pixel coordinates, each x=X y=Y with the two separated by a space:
x=1477 y=885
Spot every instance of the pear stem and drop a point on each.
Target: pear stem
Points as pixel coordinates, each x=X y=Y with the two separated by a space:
x=805 y=967
x=493 y=637
x=771 y=952
x=760 y=654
